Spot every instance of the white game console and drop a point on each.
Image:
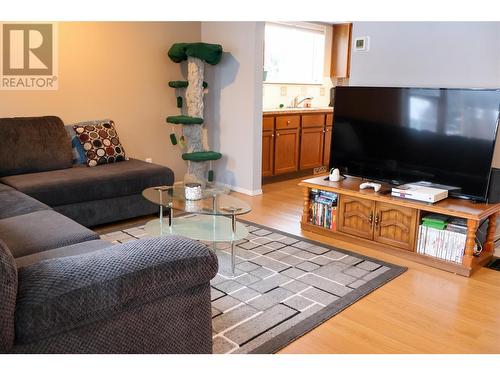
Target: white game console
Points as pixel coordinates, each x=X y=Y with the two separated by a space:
x=374 y=185
x=419 y=193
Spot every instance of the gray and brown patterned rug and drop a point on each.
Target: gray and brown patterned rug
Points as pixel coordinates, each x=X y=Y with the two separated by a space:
x=283 y=287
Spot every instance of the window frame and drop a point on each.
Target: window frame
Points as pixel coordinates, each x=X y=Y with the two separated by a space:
x=315 y=27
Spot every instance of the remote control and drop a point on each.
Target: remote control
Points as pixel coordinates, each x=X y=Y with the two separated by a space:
x=374 y=185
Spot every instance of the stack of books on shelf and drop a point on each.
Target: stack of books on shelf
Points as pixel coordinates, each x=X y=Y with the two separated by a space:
x=442 y=237
x=323 y=211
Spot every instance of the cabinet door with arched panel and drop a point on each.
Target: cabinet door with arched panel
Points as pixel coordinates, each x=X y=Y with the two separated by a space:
x=395 y=226
x=356 y=216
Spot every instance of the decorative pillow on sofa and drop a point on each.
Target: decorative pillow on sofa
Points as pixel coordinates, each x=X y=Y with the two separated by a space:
x=78 y=151
x=100 y=142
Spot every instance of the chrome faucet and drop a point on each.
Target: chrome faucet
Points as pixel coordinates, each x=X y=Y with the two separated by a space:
x=296 y=102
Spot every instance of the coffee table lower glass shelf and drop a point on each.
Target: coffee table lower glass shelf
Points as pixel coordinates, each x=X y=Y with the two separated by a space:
x=210 y=228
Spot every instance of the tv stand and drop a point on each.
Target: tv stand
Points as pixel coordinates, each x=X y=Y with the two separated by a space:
x=390 y=224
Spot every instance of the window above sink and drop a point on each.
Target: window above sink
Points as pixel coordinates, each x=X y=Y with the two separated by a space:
x=294 y=53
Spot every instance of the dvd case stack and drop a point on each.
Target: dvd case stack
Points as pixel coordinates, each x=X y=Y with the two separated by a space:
x=323 y=211
x=442 y=237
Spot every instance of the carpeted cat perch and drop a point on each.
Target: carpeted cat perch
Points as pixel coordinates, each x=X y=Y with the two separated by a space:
x=194 y=139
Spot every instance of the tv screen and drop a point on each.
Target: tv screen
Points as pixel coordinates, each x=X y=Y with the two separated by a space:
x=402 y=135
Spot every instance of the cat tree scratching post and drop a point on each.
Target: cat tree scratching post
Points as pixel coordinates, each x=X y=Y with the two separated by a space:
x=197 y=154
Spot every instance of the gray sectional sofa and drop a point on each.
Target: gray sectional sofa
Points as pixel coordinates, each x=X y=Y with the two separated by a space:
x=36 y=159
x=62 y=289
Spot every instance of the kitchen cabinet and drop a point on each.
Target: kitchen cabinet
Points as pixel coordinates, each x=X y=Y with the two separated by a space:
x=287 y=122
x=267 y=152
x=295 y=140
x=327 y=145
x=311 y=147
x=329 y=119
x=312 y=140
x=341 y=50
x=268 y=123
x=313 y=120
x=286 y=150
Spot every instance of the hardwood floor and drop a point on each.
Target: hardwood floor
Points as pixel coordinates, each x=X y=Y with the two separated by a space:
x=425 y=310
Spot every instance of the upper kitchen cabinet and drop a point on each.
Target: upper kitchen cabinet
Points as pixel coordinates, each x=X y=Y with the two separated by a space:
x=341 y=50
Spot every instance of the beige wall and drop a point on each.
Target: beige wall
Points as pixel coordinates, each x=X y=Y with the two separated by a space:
x=116 y=70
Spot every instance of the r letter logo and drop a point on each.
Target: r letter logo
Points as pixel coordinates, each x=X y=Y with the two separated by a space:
x=29 y=58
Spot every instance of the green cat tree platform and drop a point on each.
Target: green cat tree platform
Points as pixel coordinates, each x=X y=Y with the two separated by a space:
x=184 y=120
x=201 y=156
x=183 y=84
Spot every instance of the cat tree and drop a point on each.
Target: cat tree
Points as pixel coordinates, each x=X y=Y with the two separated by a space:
x=194 y=139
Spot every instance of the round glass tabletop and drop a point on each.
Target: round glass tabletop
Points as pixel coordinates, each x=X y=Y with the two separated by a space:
x=215 y=200
x=199 y=227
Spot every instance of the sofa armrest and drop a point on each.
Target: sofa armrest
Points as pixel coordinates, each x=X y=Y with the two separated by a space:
x=62 y=294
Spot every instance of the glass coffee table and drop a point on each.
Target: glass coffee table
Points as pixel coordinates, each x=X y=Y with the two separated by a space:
x=215 y=219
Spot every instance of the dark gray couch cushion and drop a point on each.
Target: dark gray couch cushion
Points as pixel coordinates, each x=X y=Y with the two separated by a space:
x=83 y=184
x=59 y=295
x=33 y=144
x=179 y=323
x=14 y=203
x=8 y=295
x=40 y=231
x=5 y=187
x=61 y=252
x=90 y=214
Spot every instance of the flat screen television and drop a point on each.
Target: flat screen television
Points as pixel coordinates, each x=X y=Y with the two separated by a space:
x=402 y=134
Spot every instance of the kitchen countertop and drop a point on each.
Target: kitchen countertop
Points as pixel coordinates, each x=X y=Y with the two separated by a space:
x=283 y=111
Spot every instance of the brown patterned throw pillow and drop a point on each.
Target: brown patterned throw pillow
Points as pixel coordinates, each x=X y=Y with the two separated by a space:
x=100 y=142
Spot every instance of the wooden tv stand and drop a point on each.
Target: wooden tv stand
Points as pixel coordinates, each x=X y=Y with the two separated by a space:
x=361 y=215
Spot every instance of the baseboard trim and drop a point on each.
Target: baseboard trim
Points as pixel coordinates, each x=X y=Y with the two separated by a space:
x=244 y=191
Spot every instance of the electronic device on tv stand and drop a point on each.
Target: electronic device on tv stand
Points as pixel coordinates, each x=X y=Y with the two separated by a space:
x=365 y=185
x=405 y=134
x=419 y=193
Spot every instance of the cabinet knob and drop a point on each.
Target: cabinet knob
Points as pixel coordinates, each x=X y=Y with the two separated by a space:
x=288 y=122
x=277 y=134
x=272 y=135
x=376 y=220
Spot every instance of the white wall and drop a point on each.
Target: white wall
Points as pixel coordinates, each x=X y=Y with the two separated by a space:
x=429 y=54
x=433 y=54
x=233 y=107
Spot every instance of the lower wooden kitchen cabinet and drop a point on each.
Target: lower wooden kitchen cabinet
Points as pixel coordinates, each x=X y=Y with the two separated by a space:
x=267 y=153
x=311 y=147
x=286 y=151
x=293 y=142
x=327 y=145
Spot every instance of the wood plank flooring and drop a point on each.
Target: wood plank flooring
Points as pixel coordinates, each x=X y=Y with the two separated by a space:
x=425 y=310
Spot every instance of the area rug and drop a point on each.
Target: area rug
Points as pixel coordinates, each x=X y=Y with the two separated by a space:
x=283 y=287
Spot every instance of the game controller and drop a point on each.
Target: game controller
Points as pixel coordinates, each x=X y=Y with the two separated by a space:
x=374 y=185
